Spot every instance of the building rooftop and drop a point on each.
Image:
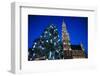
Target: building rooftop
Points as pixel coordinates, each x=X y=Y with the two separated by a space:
x=76 y=47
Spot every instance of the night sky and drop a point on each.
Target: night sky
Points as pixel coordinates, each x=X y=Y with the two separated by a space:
x=77 y=28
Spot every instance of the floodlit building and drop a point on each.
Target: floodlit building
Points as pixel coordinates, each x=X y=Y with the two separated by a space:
x=70 y=51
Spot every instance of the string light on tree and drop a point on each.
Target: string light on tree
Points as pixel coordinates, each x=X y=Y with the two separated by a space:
x=48 y=45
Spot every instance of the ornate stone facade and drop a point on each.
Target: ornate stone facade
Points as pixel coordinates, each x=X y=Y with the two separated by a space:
x=70 y=51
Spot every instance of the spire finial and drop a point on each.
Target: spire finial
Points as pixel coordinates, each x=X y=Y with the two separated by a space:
x=63 y=23
x=63 y=20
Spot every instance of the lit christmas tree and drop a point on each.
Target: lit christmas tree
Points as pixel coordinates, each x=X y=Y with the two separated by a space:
x=47 y=46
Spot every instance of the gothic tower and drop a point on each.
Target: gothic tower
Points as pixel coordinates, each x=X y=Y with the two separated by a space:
x=66 y=42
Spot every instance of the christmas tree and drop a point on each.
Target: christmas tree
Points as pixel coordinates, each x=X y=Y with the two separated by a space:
x=47 y=46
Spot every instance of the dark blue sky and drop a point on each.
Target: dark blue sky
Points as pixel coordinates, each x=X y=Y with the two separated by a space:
x=77 y=28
